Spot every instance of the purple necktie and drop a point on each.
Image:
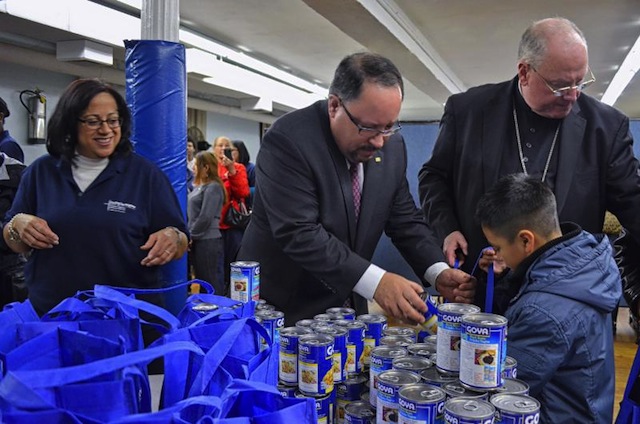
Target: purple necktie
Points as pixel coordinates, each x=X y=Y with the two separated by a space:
x=355 y=187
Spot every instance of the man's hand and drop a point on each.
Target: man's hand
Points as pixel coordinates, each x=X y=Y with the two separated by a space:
x=456 y=286
x=400 y=298
x=453 y=242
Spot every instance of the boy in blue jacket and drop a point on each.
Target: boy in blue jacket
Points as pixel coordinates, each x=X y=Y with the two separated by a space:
x=565 y=286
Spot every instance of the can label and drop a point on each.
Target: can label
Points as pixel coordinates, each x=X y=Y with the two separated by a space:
x=273 y=322
x=430 y=324
x=315 y=364
x=359 y=412
x=483 y=350
x=381 y=360
x=375 y=325
x=287 y=391
x=420 y=403
x=348 y=391
x=389 y=384
x=510 y=368
x=288 y=355
x=340 y=354
x=324 y=406
x=355 y=345
x=245 y=281
x=448 y=340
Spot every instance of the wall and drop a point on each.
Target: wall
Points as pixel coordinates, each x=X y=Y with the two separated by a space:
x=235 y=129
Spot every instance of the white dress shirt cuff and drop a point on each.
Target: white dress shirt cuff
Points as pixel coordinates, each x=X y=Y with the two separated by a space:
x=431 y=274
x=368 y=283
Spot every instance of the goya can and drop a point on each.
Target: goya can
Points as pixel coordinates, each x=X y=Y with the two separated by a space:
x=359 y=412
x=288 y=357
x=448 y=341
x=263 y=306
x=510 y=368
x=512 y=386
x=411 y=363
x=340 y=353
x=455 y=389
x=483 y=350
x=424 y=350
x=420 y=403
x=348 y=391
x=355 y=345
x=389 y=384
x=430 y=324
x=245 y=281
x=381 y=360
x=516 y=409
x=437 y=378
x=287 y=391
x=375 y=325
x=273 y=322
x=468 y=411
x=323 y=317
x=346 y=313
x=400 y=330
x=395 y=341
x=325 y=406
x=315 y=364
x=305 y=323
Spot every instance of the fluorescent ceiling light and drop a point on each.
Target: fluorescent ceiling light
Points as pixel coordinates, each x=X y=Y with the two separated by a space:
x=398 y=23
x=625 y=74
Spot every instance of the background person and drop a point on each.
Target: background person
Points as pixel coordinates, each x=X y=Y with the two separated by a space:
x=241 y=155
x=539 y=123
x=8 y=144
x=203 y=210
x=92 y=211
x=313 y=243
x=234 y=178
x=560 y=318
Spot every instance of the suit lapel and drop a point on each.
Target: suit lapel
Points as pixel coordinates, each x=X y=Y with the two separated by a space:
x=571 y=139
x=344 y=182
x=373 y=179
x=498 y=114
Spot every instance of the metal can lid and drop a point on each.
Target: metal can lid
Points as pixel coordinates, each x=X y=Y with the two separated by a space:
x=433 y=375
x=332 y=330
x=204 y=307
x=411 y=363
x=372 y=318
x=341 y=310
x=265 y=307
x=304 y=322
x=269 y=315
x=323 y=317
x=422 y=349
x=350 y=323
x=398 y=377
x=360 y=409
x=245 y=264
x=422 y=393
x=399 y=330
x=510 y=362
x=295 y=331
x=456 y=389
x=470 y=408
x=316 y=339
x=388 y=351
x=485 y=319
x=520 y=404
x=512 y=386
x=457 y=308
x=395 y=341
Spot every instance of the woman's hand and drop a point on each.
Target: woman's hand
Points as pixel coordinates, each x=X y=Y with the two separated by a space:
x=164 y=246
x=228 y=163
x=25 y=232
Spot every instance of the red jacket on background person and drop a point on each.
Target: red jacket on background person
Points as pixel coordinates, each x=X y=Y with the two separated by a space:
x=237 y=187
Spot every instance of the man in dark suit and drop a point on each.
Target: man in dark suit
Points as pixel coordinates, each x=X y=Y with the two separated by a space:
x=313 y=243
x=539 y=123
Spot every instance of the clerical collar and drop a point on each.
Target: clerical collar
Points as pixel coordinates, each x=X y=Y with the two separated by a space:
x=523 y=108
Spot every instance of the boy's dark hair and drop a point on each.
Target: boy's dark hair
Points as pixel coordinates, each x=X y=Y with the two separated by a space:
x=518 y=202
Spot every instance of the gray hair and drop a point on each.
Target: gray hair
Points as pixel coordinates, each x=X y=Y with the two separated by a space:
x=533 y=44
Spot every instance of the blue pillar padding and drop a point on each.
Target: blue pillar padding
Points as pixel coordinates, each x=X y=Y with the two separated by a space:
x=156 y=91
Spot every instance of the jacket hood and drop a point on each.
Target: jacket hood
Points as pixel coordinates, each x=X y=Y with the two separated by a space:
x=580 y=268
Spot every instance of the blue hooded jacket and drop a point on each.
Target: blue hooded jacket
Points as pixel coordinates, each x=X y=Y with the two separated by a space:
x=560 y=328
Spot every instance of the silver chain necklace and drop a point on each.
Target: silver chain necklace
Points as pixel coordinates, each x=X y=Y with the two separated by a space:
x=522 y=162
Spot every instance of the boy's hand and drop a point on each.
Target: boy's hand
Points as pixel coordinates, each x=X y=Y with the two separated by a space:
x=489 y=256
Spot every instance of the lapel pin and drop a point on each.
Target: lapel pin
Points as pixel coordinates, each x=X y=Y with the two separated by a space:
x=378 y=159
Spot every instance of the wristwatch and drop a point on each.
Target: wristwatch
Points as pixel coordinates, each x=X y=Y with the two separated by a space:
x=14 y=235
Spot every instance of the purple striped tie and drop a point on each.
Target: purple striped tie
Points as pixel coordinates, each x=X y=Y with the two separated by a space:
x=355 y=187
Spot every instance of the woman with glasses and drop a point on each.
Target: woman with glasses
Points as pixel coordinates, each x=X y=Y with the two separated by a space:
x=92 y=211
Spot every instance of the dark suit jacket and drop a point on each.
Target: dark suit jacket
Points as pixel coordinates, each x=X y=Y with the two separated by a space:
x=303 y=229
x=596 y=168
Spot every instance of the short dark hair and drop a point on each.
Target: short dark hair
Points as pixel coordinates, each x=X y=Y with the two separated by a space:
x=4 y=110
x=357 y=68
x=518 y=202
x=243 y=154
x=62 y=130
